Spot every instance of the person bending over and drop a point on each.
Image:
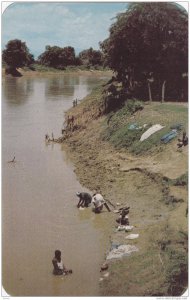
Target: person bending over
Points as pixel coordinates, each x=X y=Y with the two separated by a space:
x=98 y=202
x=84 y=199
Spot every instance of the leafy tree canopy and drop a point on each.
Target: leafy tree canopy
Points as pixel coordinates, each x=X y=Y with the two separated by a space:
x=91 y=57
x=17 y=54
x=148 y=41
x=58 y=57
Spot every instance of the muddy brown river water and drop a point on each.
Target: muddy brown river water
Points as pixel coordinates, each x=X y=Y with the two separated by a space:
x=39 y=213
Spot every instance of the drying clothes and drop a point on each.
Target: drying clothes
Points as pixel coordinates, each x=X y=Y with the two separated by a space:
x=125 y=228
x=122 y=250
x=150 y=131
x=169 y=136
x=135 y=126
x=132 y=236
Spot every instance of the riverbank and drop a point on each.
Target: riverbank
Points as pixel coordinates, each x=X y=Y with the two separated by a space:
x=152 y=181
x=51 y=71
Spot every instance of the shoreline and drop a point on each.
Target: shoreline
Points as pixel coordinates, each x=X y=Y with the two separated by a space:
x=77 y=71
x=99 y=166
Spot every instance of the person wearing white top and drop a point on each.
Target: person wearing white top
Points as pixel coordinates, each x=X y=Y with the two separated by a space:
x=98 y=202
x=59 y=268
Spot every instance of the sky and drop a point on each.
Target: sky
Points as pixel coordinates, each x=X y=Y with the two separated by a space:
x=78 y=24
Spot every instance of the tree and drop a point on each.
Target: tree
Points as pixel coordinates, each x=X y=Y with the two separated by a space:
x=91 y=57
x=57 y=57
x=148 y=44
x=17 y=55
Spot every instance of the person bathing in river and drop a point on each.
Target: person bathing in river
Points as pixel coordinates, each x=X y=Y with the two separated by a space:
x=47 y=138
x=84 y=199
x=59 y=268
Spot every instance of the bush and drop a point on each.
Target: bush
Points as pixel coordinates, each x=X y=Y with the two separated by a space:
x=177 y=273
x=134 y=105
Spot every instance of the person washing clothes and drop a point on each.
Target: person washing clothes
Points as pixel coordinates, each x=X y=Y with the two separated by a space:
x=99 y=202
x=84 y=199
x=123 y=218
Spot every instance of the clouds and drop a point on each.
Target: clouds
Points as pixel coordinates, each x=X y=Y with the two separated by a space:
x=81 y=25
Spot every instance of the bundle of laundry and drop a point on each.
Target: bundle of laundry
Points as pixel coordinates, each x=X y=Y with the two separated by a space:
x=169 y=136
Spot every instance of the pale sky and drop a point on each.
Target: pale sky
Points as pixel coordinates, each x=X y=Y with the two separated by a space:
x=78 y=24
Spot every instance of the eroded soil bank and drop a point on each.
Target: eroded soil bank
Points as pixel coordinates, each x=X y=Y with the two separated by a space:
x=158 y=210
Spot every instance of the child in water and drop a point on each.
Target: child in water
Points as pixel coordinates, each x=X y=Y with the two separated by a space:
x=59 y=268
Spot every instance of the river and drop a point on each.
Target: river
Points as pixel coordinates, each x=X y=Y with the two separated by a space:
x=39 y=213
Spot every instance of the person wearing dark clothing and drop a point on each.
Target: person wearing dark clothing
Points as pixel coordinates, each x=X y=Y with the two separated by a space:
x=84 y=199
x=123 y=218
x=184 y=141
x=59 y=268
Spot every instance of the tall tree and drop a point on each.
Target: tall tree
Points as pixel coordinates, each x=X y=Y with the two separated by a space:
x=17 y=55
x=148 y=43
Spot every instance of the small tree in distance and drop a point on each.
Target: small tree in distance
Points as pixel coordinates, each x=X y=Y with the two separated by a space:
x=57 y=57
x=91 y=57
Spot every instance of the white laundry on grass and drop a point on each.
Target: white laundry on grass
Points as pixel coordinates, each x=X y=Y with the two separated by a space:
x=150 y=131
x=132 y=236
x=125 y=228
x=122 y=250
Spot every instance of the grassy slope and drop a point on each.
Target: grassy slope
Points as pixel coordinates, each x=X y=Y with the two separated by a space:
x=145 y=182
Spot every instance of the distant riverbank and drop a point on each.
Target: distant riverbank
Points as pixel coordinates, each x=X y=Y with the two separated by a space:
x=51 y=71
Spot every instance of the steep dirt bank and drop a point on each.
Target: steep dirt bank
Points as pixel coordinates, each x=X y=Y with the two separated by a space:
x=157 y=209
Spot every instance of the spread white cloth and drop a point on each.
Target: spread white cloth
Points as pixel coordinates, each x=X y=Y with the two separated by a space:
x=150 y=131
x=125 y=227
x=132 y=236
x=122 y=250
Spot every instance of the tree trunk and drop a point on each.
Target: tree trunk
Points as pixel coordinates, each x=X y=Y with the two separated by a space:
x=163 y=91
x=149 y=92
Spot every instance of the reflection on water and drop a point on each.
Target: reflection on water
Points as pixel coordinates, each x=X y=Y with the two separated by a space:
x=61 y=86
x=39 y=213
x=15 y=90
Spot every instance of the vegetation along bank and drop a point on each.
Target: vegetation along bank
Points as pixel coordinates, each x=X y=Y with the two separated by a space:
x=150 y=177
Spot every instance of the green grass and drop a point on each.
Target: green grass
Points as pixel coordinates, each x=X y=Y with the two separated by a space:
x=180 y=181
x=171 y=108
x=43 y=68
x=119 y=134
